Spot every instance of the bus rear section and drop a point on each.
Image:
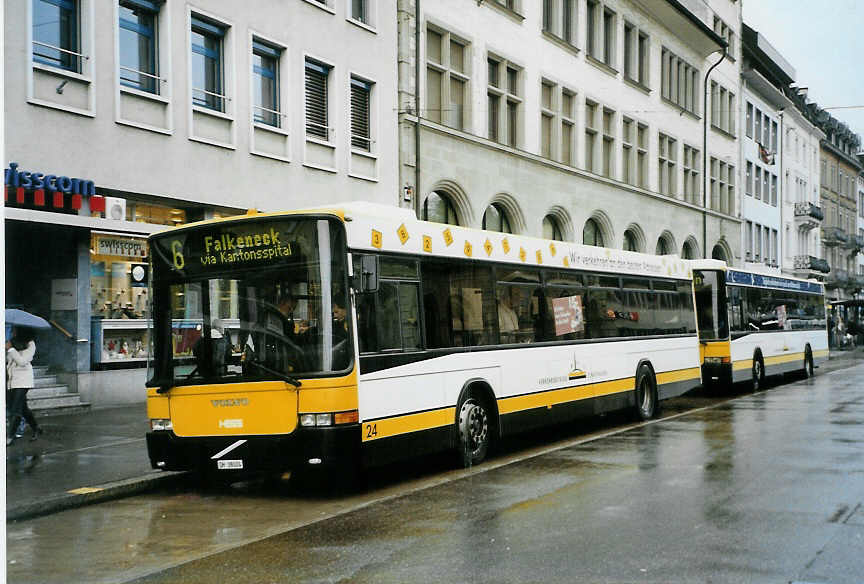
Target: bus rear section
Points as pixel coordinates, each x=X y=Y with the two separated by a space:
x=252 y=363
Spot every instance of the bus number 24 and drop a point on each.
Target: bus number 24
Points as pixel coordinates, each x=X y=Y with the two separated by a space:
x=371 y=430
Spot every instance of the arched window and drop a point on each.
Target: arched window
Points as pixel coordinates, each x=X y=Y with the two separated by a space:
x=438 y=208
x=662 y=247
x=631 y=242
x=688 y=252
x=591 y=234
x=551 y=228
x=495 y=219
x=718 y=253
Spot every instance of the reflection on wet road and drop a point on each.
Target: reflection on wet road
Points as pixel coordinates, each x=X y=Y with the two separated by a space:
x=763 y=488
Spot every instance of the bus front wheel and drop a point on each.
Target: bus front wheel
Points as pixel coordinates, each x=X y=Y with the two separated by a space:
x=474 y=430
x=646 y=393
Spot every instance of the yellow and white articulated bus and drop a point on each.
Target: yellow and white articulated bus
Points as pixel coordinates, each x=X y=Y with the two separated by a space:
x=753 y=324
x=359 y=334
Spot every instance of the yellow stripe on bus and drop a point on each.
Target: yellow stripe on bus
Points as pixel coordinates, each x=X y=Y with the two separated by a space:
x=679 y=375
x=509 y=405
x=742 y=364
x=777 y=359
x=410 y=423
x=821 y=353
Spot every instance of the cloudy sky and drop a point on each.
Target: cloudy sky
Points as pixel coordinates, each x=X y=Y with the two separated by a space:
x=824 y=41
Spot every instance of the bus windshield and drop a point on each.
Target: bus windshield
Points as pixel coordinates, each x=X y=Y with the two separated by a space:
x=249 y=300
x=710 y=289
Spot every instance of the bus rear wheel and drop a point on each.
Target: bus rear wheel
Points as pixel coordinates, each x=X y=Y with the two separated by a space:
x=809 y=370
x=646 y=394
x=757 y=374
x=473 y=427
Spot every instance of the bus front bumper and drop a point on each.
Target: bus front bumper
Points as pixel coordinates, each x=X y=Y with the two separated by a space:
x=324 y=447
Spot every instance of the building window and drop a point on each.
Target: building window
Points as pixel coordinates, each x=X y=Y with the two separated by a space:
x=265 y=83
x=446 y=79
x=207 y=66
x=552 y=229
x=722 y=108
x=361 y=114
x=609 y=28
x=680 y=81
x=360 y=11
x=635 y=55
x=56 y=39
x=692 y=188
x=722 y=186
x=608 y=169
x=496 y=219
x=642 y=156
x=591 y=234
x=757 y=183
x=773 y=189
x=568 y=123
x=631 y=242
x=749 y=120
x=591 y=27
x=503 y=89
x=722 y=29
x=628 y=162
x=439 y=208
x=547 y=115
x=138 y=59
x=591 y=126
x=773 y=136
x=688 y=252
x=559 y=19
x=317 y=100
x=748 y=179
x=667 y=156
x=662 y=247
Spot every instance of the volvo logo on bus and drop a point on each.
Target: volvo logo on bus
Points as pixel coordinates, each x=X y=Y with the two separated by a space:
x=229 y=403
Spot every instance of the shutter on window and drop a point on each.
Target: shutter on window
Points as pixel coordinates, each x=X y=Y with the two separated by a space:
x=360 y=114
x=316 y=100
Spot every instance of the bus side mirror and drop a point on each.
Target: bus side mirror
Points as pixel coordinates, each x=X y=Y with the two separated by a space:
x=367 y=280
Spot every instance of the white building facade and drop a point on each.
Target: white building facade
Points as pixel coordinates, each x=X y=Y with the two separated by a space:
x=124 y=116
x=578 y=120
x=802 y=211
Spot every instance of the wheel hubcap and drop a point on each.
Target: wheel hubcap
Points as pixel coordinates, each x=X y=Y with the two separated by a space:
x=475 y=426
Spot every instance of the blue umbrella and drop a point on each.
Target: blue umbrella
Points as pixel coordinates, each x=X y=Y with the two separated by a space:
x=17 y=317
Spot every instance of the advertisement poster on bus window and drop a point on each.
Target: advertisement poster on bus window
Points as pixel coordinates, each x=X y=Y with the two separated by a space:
x=568 y=315
x=781 y=316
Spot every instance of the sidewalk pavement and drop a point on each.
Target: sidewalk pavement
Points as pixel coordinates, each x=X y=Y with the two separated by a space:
x=80 y=459
x=102 y=454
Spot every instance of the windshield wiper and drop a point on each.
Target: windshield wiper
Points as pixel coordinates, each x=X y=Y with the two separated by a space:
x=286 y=378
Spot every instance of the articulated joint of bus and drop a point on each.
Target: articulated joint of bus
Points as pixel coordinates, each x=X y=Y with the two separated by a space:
x=716 y=357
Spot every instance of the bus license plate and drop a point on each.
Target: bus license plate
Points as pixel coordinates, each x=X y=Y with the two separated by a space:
x=229 y=464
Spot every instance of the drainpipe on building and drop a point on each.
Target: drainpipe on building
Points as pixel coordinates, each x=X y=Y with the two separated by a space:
x=417 y=108
x=782 y=188
x=705 y=156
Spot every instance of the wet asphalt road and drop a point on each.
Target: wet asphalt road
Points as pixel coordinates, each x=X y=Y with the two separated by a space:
x=766 y=487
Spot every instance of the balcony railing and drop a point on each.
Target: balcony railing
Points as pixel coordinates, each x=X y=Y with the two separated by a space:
x=808 y=263
x=807 y=209
x=855 y=283
x=833 y=236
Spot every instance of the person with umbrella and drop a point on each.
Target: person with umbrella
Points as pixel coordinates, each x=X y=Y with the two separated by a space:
x=20 y=350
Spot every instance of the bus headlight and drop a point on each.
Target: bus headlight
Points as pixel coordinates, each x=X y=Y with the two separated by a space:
x=161 y=424
x=307 y=419
x=323 y=420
